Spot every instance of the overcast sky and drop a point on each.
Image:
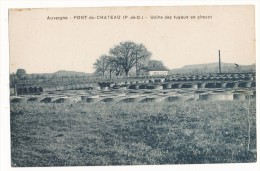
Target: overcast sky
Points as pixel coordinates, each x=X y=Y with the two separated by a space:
x=40 y=45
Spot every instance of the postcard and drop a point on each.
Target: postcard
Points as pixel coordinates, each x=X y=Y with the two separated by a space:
x=106 y=86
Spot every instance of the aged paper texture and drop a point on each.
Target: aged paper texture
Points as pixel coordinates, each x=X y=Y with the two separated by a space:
x=132 y=85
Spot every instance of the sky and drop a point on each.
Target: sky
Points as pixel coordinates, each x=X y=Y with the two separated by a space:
x=42 y=45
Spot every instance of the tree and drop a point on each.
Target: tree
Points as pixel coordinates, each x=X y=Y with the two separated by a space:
x=102 y=64
x=20 y=74
x=12 y=80
x=114 y=66
x=141 y=66
x=155 y=64
x=128 y=54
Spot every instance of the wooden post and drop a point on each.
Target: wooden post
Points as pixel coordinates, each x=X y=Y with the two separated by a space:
x=219 y=65
x=136 y=65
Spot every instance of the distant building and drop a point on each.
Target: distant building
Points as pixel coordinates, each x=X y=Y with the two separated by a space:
x=157 y=71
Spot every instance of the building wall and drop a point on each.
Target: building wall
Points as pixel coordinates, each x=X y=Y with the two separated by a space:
x=157 y=72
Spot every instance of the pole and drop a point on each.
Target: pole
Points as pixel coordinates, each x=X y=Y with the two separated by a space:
x=136 y=64
x=219 y=64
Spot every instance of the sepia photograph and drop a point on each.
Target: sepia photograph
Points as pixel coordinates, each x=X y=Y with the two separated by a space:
x=143 y=85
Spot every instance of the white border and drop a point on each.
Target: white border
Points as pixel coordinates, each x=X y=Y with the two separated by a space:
x=5 y=156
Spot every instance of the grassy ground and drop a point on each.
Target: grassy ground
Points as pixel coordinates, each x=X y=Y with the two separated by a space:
x=112 y=134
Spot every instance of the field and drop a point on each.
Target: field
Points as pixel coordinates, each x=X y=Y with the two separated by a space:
x=61 y=134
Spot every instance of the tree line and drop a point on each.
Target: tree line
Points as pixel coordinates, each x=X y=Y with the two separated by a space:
x=124 y=57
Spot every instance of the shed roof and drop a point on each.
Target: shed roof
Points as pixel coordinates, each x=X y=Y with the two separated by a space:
x=156 y=69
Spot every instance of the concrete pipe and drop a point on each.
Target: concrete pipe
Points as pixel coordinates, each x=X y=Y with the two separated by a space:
x=118 y=84
x=239 y=96
x=216 y=97
x=249 y=78
x=245 y=84
x=91 y=99
x=120 y=88
x=232 y=85
x=111 y=99
x=250 y=96
x=226 y=78
x=161 y=80
x=102 y=84
x=253 y=84
x=132 y=86
x=190 y=85
x=35 y=99
x=155 y=99
x=96 y=88
x=134 y=99
x=180 y=85
x=204 y=79
x=175 y=85
x=178 y=98
x=49 y=99
x=167 y=85
x=142 y=86
x=210 y=85
x=127 y=83
x=40 y=89
x=220 y=91
x=104 y=88
x=187 y=79
x=201 y=85
x=36 y=89
x=72 y=99
x=62 y=100
x=197 y=94
x=235 y=85
x=154 y=87
x=19 y=100
x=218 y=84
x=111 y=85
x=60 y=88
x=156 y=80
x=221 y=85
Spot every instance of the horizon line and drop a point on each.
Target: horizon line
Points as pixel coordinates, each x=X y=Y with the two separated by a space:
x=84 y=72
